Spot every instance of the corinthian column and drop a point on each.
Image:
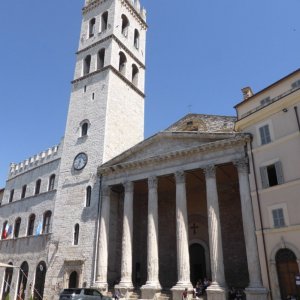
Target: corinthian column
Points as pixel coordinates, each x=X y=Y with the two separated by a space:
x=126 y=262
x=255 y=289
x=152 y=285
x=183 y=257
x=103 y=240
x=217 y=289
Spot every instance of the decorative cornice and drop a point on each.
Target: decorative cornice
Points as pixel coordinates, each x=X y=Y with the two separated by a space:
x=131 y=9
x=116 y=72
x=120 y=44
x=241 y=139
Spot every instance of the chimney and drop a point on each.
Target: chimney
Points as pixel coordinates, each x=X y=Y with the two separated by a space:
x=247 y=92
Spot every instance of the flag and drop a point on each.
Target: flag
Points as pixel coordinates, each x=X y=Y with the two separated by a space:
x=5 y=231
x=9 y=231
x=39 y=229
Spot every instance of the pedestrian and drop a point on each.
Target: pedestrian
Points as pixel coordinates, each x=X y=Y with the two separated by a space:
x=185 y=294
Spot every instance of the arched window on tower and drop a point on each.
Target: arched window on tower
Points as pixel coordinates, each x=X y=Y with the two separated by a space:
x=17 y=227
x=136 y=39
x=100 y=59
x=51 y=182
x=37 y=187
x=92 y=24
x=125 y=25
x=31 y=225
x=88 y=196
x=47 y=221
x=87 y=65
x=76 y=234
x=135 y=74
x=84 y=129
x=104 y=21
x=122 y=63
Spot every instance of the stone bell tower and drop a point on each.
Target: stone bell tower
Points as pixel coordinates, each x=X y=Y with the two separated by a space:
x=105 y=118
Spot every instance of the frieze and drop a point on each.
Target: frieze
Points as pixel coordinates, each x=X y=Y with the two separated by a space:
x=218 y=145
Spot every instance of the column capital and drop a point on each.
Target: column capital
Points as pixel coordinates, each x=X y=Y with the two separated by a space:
x=210 y=171
x=242 y=164
x=152 y=182
x=180 y=176
x=128 y=185
x=106 y=191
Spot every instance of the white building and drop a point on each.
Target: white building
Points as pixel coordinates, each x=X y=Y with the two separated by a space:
x=107 y=209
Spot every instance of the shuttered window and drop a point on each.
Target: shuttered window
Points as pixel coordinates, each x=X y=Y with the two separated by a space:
x=271 y=175
x=265 y=136
x=278 y=217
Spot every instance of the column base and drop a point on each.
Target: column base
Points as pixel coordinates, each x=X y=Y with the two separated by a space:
x=179 y=288
x=150 y=290
x=216 y=292
x=102 y=286
x=124 y=288
x=256 y=293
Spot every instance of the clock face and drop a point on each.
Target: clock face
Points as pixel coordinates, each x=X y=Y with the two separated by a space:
x=80 y=161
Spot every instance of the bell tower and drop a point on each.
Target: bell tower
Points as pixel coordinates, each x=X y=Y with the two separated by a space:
x=105 y=118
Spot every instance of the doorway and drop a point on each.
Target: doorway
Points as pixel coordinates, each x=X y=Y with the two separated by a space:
x=73 y=280
x=287 y=269
x=39 y=284
x=197 y=263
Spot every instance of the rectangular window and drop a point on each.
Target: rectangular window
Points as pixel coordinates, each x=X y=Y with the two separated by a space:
x=271 y=175
x=23 y=194
x=265 y=136
x=278 y=217
x=11 y=196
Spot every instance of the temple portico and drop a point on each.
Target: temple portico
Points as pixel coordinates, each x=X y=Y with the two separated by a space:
x=168 y=210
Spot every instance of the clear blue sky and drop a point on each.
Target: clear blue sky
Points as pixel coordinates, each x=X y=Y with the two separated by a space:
x=200 y=53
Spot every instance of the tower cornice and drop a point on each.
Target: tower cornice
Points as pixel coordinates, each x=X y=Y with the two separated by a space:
x=114 y=70
x=126 y=3
x=112 y=36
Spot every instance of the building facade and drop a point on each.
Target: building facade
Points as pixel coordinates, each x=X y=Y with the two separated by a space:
x=271 y=117
x=107 y=209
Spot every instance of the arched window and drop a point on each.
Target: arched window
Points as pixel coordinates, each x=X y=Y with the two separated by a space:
x=100 y=59
x=51 y=182
x=73 y=280
x=4 y=230
x=125 y=25
x=136 y=39
x=47 y=221
x=84 y=129
x=135 y=74
x=23 y=193
x=88 y=196
x=39 y=284
x=23 y=275
x=76 y=234
x=92 y=27
x=87 y=65
x=7 y=282
x=287 y=268
x=11 y=196
x=31 y=225
x=37 y=187
x=17 y=227
x=122 y=63
x=104 y=21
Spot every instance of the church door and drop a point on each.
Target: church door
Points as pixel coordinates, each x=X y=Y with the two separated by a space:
x=197 y=263
x=73 y=280
x=39 y=284
x=287 y=269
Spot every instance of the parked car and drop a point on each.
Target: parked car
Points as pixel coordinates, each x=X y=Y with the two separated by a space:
x=82 y=294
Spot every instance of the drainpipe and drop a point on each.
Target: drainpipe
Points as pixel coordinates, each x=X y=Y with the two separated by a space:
x=98 y=231
x=260 y=217
x=297 y=117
